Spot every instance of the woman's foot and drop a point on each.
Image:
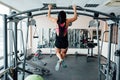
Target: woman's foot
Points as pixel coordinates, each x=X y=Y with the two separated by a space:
x=57 y=67
x=63 y=64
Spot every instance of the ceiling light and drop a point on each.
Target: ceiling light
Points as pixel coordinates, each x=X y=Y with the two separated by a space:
x=113 y=3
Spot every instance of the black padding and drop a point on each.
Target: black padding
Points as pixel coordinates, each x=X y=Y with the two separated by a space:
x=35 y=36
x=117 y=53
x=96 y=15
x=95 y=44
x=29 y=14
x=112 y=14
x=90 y=45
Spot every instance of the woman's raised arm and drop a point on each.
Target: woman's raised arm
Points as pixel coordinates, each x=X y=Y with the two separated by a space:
x=75 y=14
x=49 y=15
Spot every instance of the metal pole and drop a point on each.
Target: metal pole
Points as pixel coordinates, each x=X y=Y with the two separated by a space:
x=5 y=45
x=102 y=41
x=16 y=70
x=99 y=75
x=25 y=49
x=118 y=56
x=109 y=51
x=22 y=39
x=11 y=42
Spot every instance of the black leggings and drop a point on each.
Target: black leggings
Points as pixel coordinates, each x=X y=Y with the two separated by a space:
x=61 y=42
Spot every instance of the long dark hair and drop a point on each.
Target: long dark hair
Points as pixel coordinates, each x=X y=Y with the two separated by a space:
x=61 y=19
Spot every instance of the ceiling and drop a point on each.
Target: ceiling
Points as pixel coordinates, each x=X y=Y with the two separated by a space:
x=98 y=5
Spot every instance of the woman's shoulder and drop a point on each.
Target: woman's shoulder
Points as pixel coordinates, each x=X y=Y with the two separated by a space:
x=53 y=19
x=67 y=22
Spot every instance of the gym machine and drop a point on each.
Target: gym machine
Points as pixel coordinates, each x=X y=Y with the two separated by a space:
x=117 y=54
x=74 y=38
x=17 y=17
x=91 y=44
x=110 y=68
x=16 y=67
x=52 y=35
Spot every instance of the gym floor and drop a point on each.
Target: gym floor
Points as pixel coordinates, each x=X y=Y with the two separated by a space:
x=78 y=68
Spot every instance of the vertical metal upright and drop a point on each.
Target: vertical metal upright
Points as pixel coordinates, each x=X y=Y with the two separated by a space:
x=118 y=55
x=15 y=54
x=11 y=43
x=109 y=52
x=5 y=45
x=24 y=62
x=97 y=31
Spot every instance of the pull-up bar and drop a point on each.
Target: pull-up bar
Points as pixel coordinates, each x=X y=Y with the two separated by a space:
x=67 y=8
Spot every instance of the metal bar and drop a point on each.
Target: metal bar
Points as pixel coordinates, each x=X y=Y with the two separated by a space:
x=68 y=12
x=109 y=52
x=97 y=30
x=9 y=76
x=24 y=62
x=5 y=45
x=54 y=12
x=102 y=41
x=24 y=12
x=22 y=40
x=4 y=72
x=92 y=52
x=37 y=9
x=82 y=9
x=11 y=45
x=79 y=13
x=25 y=70
x=68 y=8
x=118 y=57
x=16 y=70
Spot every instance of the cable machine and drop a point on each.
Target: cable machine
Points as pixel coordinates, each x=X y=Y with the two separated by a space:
x=29 y=15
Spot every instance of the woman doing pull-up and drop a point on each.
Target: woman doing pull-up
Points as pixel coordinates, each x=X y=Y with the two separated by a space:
x=61 y=42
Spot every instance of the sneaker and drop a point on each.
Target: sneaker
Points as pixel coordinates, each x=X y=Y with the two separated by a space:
x=57 y=66
x=63 y=64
